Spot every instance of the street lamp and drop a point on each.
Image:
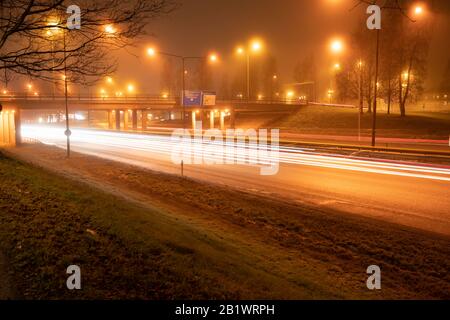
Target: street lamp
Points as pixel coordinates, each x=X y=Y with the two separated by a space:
x=418 y=10
x=109 y=28
x=51 y=32
x=213 y=58
x=336 y=46
x=254 y=47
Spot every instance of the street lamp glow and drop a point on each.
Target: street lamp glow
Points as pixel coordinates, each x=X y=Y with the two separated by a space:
x=405 y=75
x=130 y=88
x=151 y=52
x=337 y=66
x=256 y=46
x=53 y=28
x=109 y=80
x=240 y=50
x=418 y=10
x=110 y=29
x=275 y=77
x=337 y=46
x=213 y=57
x=29 y=86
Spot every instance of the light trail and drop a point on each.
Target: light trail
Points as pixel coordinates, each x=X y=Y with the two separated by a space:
x=255 y=155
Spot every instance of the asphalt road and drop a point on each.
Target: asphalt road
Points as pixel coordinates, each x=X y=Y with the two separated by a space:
x=408 y=194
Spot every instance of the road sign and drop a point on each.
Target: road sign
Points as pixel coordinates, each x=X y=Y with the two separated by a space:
x=209 y=99
x=192 y=98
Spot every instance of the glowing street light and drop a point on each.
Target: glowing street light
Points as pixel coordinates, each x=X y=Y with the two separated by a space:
x=151 y=52
x=256 y=46
x=213 y=57
x=240 y=50
x=109 y=28
x=130 y=88
x=337 y=46
x=290 y=94
x=337 y=66
x=109 y=80
x=418 y=10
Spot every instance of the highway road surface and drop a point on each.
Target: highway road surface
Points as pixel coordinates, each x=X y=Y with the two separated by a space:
x=414 y=195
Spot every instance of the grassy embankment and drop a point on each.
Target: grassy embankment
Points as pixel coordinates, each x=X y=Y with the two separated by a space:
x=341 y=121
x=222 y=243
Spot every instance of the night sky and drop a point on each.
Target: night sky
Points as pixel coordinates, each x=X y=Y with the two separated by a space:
x=291 y=29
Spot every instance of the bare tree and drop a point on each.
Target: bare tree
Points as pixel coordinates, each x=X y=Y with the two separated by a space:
x=403 y=53
x=445 y=83
x=35 y=39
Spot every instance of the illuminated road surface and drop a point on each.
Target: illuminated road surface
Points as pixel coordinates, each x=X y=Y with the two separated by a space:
x=410 y=194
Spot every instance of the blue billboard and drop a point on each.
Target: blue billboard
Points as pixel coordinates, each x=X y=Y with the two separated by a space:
x=192 y=98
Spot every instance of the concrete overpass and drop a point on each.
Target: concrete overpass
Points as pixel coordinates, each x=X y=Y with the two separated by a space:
x=134 y=112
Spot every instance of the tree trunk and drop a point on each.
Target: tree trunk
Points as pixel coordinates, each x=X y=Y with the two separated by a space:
x=400 y=92
x=389 y=97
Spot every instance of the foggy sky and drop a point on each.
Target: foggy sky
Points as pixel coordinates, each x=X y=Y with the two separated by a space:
x=291 y=29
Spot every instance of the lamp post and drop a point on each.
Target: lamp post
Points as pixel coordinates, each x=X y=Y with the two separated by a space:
x=360 y=97
x=255 y=47
x=212 y=58
x=68 y=133
x=336 y=48
x=151 y=52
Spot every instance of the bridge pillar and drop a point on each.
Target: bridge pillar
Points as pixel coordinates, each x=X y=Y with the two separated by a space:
x=211 y=119
x=2 y=128
x=233 y=118
x=193 y=118
x=12 y=128
x=117 y=112
x=134 y=119
x=222 y=120
x=89 y=118
x=17 y=126
x=110 y=119
x=7 y=128
x=126 y=116
x=6 y=134
x=144 y=120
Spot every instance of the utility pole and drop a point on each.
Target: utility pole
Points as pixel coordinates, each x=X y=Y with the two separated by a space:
x=248 y=76
x=374 y=115
x=68 y=133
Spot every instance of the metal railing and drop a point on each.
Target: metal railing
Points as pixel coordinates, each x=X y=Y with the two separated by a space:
x=88 y=97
